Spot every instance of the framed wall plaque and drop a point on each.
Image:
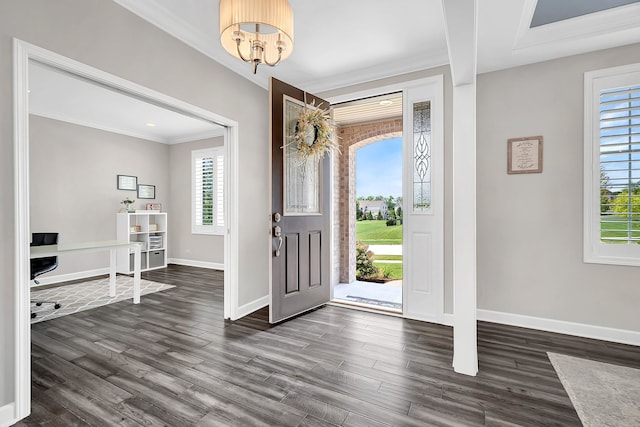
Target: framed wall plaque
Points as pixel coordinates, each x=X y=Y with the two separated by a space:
x=146 y=191
x=524 y=155
x=127 y=182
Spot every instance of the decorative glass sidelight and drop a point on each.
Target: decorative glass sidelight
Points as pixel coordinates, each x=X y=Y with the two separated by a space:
x=301 y=179
x=422 y=156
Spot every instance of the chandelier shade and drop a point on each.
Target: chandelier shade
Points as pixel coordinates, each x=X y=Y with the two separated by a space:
x=257 y=31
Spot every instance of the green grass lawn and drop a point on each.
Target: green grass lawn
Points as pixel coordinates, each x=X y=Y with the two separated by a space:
x=616 y=226
x=387 y=257
x=395 y=269
x=377 y=233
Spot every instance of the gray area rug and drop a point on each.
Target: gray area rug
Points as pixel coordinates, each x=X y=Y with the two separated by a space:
x=602 y=394
x=87 y=295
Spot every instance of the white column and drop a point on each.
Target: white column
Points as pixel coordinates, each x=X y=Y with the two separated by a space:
x=465 y=350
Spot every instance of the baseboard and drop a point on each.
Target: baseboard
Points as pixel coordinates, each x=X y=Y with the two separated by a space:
x=447 y=319
x=622 y=336
x=201 y=264
x=70 y=276
x=249 y=308
x=8 y=415
x=578 y=329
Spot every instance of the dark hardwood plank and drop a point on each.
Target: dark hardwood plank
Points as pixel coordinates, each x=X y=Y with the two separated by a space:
x=173 y=360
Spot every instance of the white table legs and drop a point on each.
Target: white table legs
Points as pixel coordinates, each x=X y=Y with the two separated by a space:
x=113 y=246
x=137 y=255
x=112 y=272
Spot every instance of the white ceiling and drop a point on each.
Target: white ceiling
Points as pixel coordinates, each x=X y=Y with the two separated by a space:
x=345 y=42
x=337 y=43
x=62 y=96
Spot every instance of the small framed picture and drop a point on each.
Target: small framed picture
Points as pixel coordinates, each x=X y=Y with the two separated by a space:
x=524 y=155
x=127 y=182
x=146 y=191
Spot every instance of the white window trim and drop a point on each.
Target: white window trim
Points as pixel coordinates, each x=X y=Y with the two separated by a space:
x=594 y=250
x=216 y=228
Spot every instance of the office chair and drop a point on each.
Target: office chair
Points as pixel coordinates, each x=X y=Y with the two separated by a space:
x=43 y=265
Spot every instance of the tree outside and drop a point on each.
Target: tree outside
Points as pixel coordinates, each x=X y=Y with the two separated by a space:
x=627 y=204
x=619 y=210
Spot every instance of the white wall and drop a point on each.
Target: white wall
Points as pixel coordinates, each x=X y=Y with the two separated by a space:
x=73 y=184
x=104 y=35
x=184 y=245
x=530 y=226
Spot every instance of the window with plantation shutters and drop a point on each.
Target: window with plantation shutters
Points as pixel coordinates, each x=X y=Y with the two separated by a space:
x=208 y=191
x=612 y=166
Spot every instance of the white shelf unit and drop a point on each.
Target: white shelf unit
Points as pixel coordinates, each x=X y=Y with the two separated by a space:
x=149 y=229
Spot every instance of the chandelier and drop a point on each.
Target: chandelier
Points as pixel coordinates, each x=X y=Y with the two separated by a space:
x=257 y=31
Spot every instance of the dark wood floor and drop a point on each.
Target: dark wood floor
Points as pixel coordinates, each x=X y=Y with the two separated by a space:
x=173 y=361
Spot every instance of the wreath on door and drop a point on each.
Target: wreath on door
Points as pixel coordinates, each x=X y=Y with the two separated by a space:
x=314 y=134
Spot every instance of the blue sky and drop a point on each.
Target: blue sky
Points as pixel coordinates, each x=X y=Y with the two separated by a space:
x=379 y=169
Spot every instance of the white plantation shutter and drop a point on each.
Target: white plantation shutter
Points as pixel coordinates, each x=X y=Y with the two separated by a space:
x=219 y=192
x=208 y=191
x=612 y=166
x=620 y=164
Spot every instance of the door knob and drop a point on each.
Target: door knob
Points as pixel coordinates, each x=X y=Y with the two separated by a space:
x=277 y=252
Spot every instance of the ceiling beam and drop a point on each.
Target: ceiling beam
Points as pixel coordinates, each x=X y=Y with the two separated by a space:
x=460 y=22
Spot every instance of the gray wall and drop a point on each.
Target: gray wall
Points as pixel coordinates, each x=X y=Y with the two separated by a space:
x=106 y=36
x=73 y=173
x=184 y=244
x=73 y=187
x=530 y=226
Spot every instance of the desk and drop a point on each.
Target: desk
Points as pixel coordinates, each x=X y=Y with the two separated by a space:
x=111 y=246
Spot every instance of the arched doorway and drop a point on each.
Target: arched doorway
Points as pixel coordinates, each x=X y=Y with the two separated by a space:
x=419 y=118
x=352 y=137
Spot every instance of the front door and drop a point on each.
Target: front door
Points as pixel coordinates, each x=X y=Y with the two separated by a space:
x=301 y=206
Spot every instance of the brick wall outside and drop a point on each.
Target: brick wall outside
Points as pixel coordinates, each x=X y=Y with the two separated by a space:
x=351 y=138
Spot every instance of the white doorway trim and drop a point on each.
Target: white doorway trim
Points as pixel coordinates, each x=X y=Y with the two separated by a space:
x=22 y=54
x=436 y=81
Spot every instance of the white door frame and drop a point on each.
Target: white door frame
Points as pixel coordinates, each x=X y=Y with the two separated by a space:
x=23 y=53
x=438 y=82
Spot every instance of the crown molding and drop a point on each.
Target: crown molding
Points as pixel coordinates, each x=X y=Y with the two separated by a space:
x=86 y=123
x=172 y=140
x=373 y=73
x=197 y=136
